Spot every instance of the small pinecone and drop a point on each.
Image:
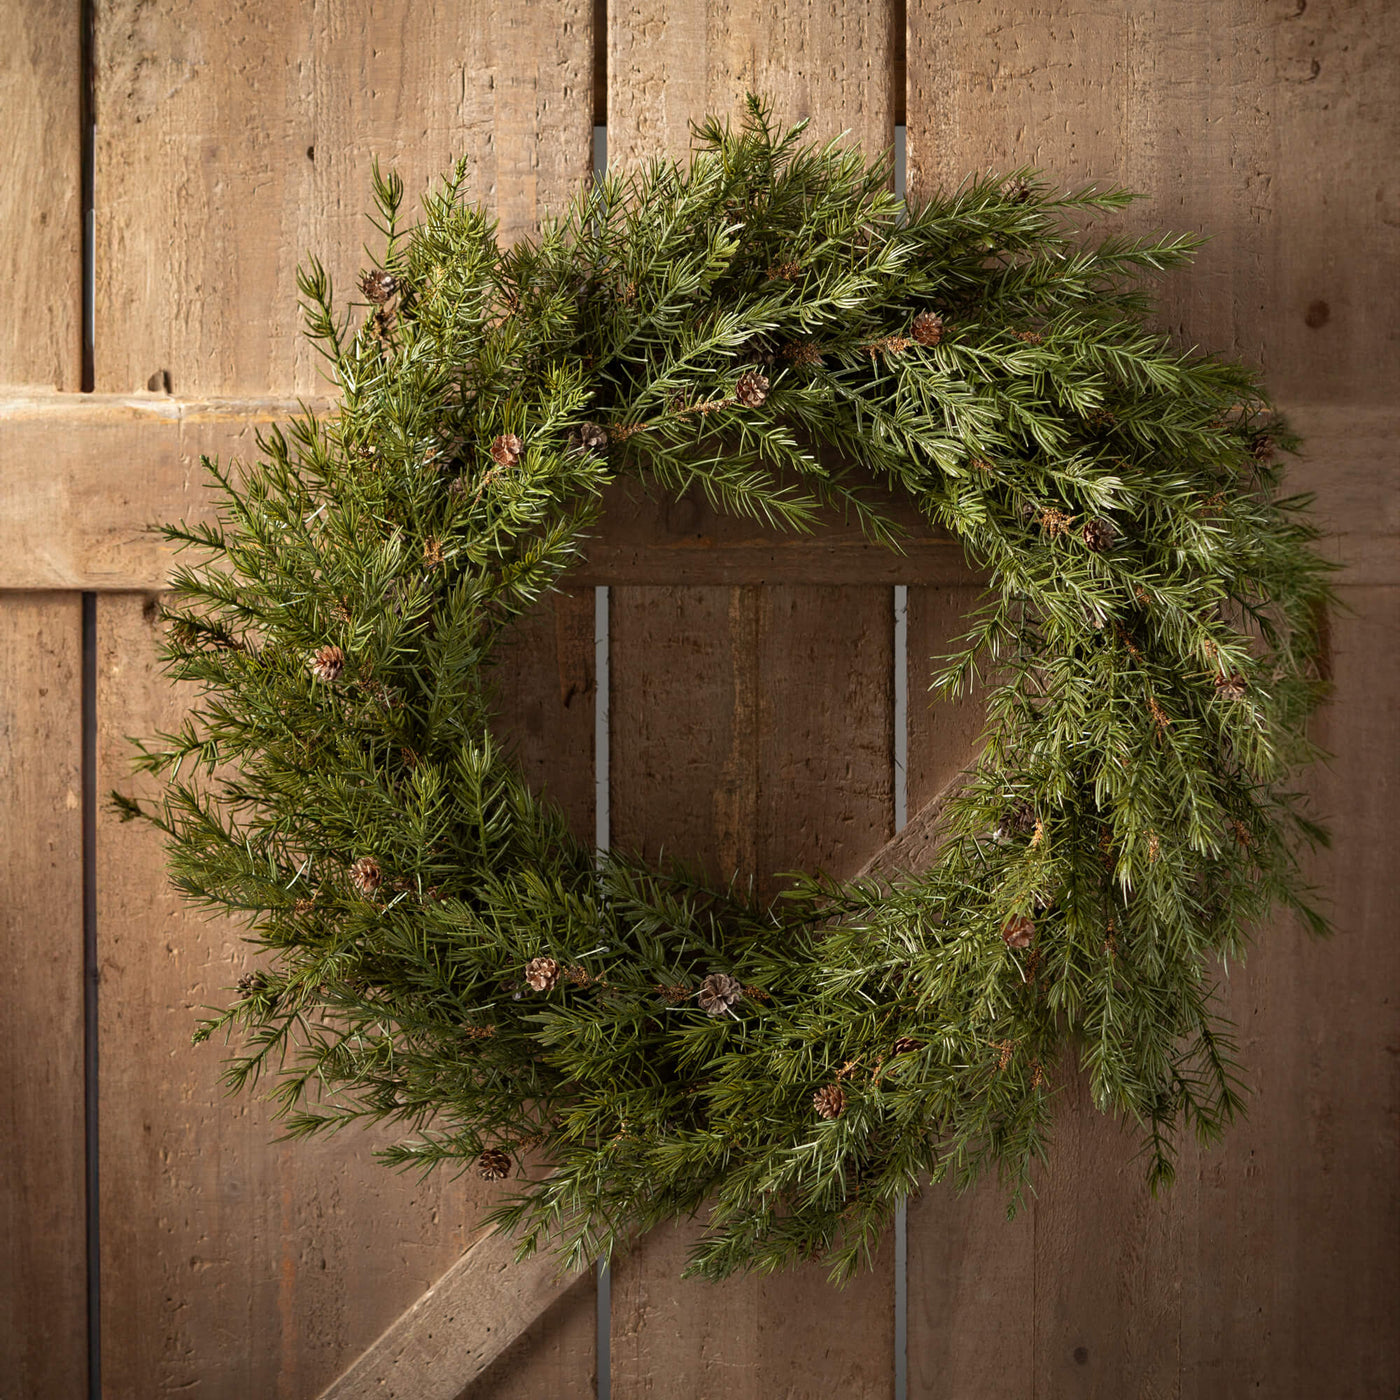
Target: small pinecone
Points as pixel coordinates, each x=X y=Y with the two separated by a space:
x=328 y=664
x=1018 y=820
x=906 y=1045
x=506 y=450
x=829 y=1101
x=803 y=352
x=251 y=983
x=1261 y=448
x=1055 y=522
x=1018 y=190
x=1018 y=931
x=928 y=328
x=378 y=287
x=494 y=1164
x=365 y=875
x=542 y=974
x=718 y=992
x=1231 y=687
x=588 y=437
x=432 y=554
x=751 y=389
x=1099 y=534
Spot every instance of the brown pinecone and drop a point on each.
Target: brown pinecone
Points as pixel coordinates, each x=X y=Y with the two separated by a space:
x=928 y=328
x=506 y=449
x=494 y=1164
x=432 y=554
x=365 y=875
x=378 y=287
x=718 y=992
x=251 y=983
x=1231 y=687
x=1055 y=522
x=328 y=664
x=1018 y=190
x=803 y=352
x=906 y=1045
x=542 y=974
x=1017 y=820
x=1261 y=448
x=1099 y=534
x=1018 y=931
x=751 y=388
x=829 y=1101
x=588 y=437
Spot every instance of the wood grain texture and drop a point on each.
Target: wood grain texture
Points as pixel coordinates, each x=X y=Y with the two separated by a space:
x=43 y=1301
x=670 y=64
x=232 y=141
x=83 y=476
x=40 y=205
x=733 y=744
x=43 y=1247
x=1260 y=1273
x=1291 y=1271
x=1268 y=124
x=750 y=732
x=235 y=139
x=478 y=1313
x=232 y=1266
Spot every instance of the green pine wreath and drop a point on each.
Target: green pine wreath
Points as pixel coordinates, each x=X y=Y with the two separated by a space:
x=768 y=323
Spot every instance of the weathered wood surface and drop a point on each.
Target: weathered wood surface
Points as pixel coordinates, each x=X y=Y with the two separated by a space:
x=83 y=477
x=43 y=1304
x=466 y=1321
x=750 y=724
x=1274 y=1267
x=41 y=252
x=751 y=731
x=231 y=141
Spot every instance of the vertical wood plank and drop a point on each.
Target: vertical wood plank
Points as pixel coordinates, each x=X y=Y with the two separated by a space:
x=1292 y=1278
x=1269 y=126
x=43 y=1304
x=232 y=142
x=734 y=737
x=671 y=62
x=1230 y=118
x=235 y=140
x=750 y=732
x=969 y=1267
x=43 y=1253
x=40 y=204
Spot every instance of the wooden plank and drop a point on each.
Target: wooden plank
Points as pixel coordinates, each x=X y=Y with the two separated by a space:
x=43 y=1303
x=1268 y=127
x=671 y=63
x=43 y=1247
x=466 y=1321
x=1292 y=1278
x=1230 y=117
x=969 y=1267
x=231 y=143
x=745 y=731
x=40 y=205
x=83 y=476
x=750 y=732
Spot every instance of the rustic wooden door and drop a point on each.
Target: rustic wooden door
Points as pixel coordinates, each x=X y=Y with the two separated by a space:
x=764 y=702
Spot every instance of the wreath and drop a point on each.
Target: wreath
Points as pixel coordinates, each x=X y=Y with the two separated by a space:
x=769 y=324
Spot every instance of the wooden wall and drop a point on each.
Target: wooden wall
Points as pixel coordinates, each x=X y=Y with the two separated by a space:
x=233 y=139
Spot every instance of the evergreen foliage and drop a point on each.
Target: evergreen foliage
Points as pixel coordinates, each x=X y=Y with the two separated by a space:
x=768 y=323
